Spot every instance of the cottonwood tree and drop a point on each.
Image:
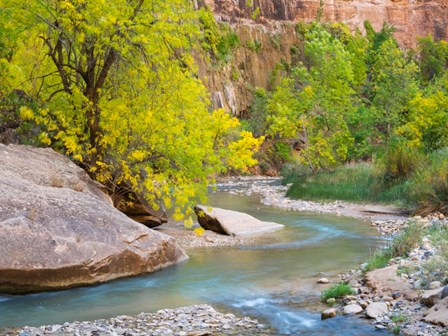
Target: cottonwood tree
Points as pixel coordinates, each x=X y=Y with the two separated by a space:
x=118 y=92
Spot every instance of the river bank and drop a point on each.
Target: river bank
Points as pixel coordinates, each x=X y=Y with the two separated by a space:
x=197 y=320
x=407 y=288
x=404 y=313
x=161 y=324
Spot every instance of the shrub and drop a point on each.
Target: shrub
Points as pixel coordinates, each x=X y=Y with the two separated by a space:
x=379 y=259
x=407 y=239
x=337 y=291
x=399 y=161
x=401 y=245
x=428 y=189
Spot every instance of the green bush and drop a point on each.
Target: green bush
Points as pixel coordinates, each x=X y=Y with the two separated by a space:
x=407 y=239
x=428 y=189
x=399 y=161
x=337 y=291
x=379 y=259
x=401 y=245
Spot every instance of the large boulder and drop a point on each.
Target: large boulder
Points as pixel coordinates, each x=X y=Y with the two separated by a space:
x=231 y=222
x=58 y=230
x=386 y=281
x=430 y=297
x=438 y=314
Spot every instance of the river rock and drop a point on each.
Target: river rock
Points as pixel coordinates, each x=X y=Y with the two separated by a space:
x=59 y=230
x=376 y=309
x=352 y=309
x=231 y=222
x=430 y=297
x=323 y=281
x=329 y=313
x=438 y=314
x=445 y=292
x=386 y=281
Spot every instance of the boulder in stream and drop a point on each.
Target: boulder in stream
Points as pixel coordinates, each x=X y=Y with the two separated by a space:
x=231 y=222
x=59 y=230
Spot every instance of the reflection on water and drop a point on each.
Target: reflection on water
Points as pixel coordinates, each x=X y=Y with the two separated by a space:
x=246 y=279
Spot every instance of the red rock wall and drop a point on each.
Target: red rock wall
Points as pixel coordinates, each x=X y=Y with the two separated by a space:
x=412 y=18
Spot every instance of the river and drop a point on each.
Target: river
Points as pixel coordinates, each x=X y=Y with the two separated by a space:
x=273 y=281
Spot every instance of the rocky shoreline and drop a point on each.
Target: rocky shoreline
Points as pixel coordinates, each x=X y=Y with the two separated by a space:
x=198 y=320
x=400 y=307
x=388 y=220
x=405 y=303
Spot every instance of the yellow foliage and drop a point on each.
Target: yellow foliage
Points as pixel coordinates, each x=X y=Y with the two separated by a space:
x=26 y=113
x=199 y=231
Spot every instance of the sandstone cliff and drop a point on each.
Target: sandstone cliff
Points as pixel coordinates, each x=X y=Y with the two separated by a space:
x=412 y=18
x=273 y=30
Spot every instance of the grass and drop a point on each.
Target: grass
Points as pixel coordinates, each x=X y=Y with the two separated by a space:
x=378 y=260
x=436 y=269
x=356 y=183
x=401 y=245
x=337 y=291
x=399 y=318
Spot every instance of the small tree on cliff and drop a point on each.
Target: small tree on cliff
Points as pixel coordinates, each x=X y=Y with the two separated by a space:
x=117 y=91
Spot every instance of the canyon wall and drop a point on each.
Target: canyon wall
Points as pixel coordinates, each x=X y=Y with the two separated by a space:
x=412 y=18
x=270 y=23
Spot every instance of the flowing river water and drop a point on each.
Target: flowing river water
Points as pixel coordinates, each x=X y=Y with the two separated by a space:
x=273 y=281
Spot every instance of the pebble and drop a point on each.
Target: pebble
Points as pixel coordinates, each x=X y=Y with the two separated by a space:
x=186 y=321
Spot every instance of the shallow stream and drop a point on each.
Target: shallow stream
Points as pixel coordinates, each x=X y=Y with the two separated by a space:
x=273 y=281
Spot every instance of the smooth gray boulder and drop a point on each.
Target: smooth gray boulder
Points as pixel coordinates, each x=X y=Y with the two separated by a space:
x=231 y=222
x=59 y=230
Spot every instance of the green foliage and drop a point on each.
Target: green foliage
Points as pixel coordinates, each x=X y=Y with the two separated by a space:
x=401 y=245
x=337 y=291
x=254 y=45
x=359 y=183
x=310 y=105
x=399 y=161
x=428 y=188
x=399 y=318
x=433 y=58
x=117 y=90
x=407 y=239
x=436 y=269
x=379 y=259
x=219 y=40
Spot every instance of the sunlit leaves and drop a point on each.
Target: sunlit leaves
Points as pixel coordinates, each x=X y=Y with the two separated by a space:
x=118 y=91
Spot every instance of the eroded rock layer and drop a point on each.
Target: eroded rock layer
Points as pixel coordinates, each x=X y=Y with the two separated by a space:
x=412 y=18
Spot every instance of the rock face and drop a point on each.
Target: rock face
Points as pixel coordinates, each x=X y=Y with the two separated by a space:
x=412 y=18
x=232 y=223
x=438 y=314
x=58 y=230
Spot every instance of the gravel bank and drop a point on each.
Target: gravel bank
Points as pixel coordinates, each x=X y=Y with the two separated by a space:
x=386 y=219
x=198 y=320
